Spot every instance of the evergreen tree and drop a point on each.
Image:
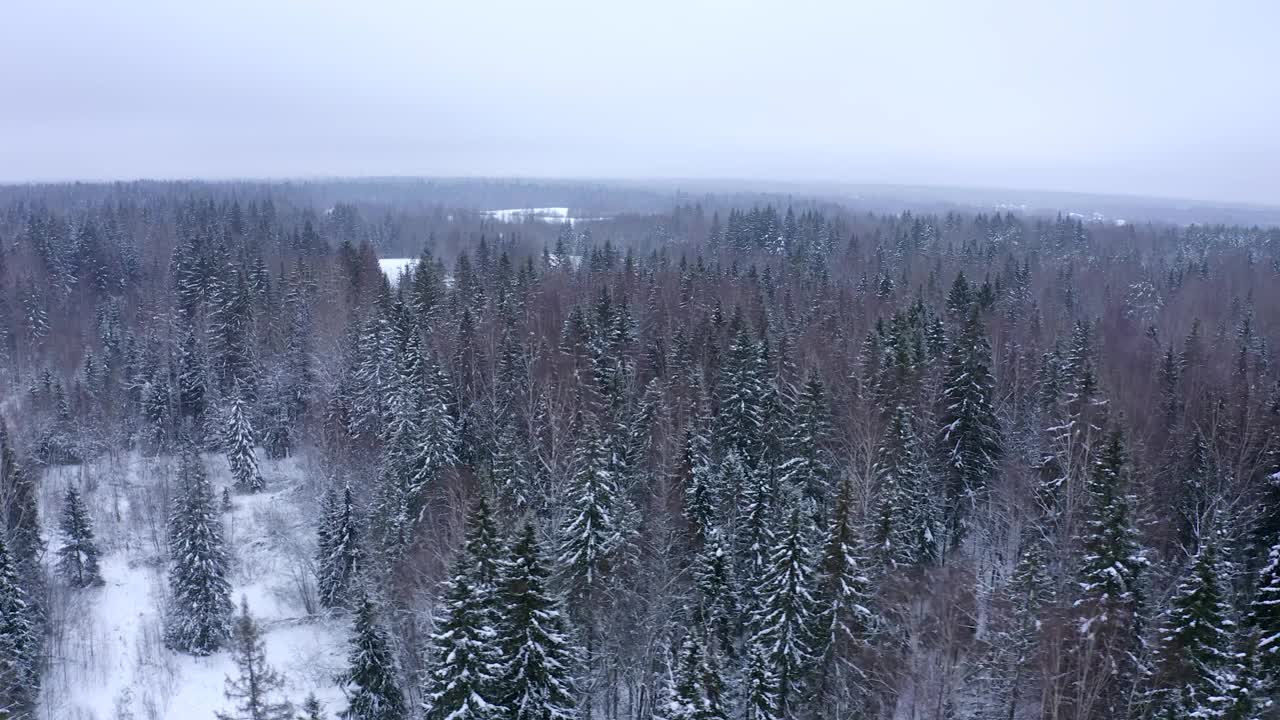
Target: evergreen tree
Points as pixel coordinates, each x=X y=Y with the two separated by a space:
x=312 y=709
x=970 y=440
x=78 y=555
x=1264 y=620
x=843 y=611
x=371 y=680
x=760 y=685
x=698 y=689
x=593 y=531
x=907 y=528
x=462 y=682
x=807 y=466
x=784 y=620
x=340 y=554
x=1109 y=604
x=257 y=681
x=19 y=644
x=1194 y=663
x=718 y=609
x=240 y=443
x=198 y=621
x=537 y=680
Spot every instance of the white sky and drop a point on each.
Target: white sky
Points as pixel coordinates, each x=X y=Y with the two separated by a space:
x=1176 y=98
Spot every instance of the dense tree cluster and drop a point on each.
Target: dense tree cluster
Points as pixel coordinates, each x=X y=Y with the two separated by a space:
x=750 y=457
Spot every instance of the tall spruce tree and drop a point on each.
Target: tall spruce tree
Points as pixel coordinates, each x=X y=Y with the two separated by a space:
x=339 y=553
x=19 y=644
x=462 y=683
x=907 y=528
x=372 y=675
x=199 y=616
x=1194 y=669
x=537 y=679
x=1109 y=603
x=78 y=554
x=239 y=443
x=784 y=619
x=970 y=443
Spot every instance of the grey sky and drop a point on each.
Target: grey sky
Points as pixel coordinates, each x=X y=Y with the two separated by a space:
x=1176 y=98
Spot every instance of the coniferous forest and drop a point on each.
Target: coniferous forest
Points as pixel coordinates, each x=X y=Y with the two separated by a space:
x=660 y=455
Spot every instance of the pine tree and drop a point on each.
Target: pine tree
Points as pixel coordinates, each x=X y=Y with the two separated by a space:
x=199 y=616
x=371 y=677
x=537 y=680
x=19 y=644
x=1194 y=662
x=340 y=554
x=240 y=449
x=78 y=555
x=784 y=620
x=257 y=681
x=970 y=440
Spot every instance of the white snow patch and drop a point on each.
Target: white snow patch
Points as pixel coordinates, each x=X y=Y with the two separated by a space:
x=544 y=214
x=112 y=655
x=396 y=268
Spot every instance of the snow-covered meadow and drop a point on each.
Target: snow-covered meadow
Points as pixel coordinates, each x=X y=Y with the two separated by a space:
x=109 y=661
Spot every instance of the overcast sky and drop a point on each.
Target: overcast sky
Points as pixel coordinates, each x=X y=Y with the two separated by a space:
x=1173 y=98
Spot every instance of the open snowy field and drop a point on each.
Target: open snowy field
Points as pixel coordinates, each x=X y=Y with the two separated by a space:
x=110 y=662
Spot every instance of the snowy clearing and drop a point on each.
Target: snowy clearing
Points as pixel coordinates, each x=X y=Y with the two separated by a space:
x=395 y=268
x=112 y=657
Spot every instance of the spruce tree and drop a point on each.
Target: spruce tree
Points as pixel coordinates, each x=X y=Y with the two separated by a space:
x=760 y=685
x=1264 y=621
x=537 y=679
x=340 y=554
x=593 y=532
x=843 y=607
x=240 y=443
x=312 y=709
x=907 y=527
x=256 y=682
x=1195 y=671
x=371 y=678
x=969 y=440
x=697 y=691
x=718 y=608
x=462 y=682
x=1109 y=603
x=807 y=464
x=78 y=555
x=784 y=618
x=19 y=644
x=198 y=621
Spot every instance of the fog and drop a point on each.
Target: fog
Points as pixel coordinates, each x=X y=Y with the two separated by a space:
x=1169 y=98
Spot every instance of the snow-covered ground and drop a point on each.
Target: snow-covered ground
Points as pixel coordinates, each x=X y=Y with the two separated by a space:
x=111 y=655
x=545 y=214
x=395 y=268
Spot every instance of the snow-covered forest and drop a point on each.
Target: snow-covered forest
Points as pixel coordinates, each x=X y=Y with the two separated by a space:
x=649 y=456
